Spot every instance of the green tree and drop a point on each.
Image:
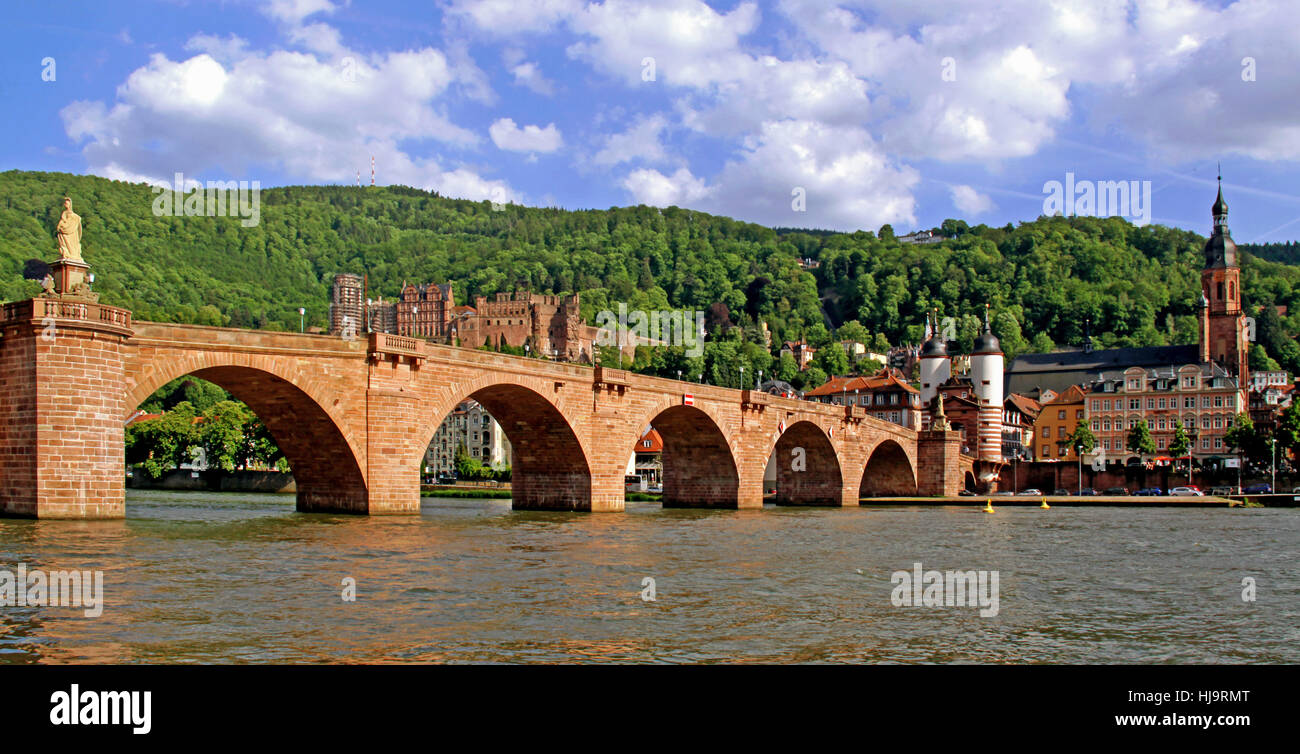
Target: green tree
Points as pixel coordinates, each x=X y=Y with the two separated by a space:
x=467 y=467
x=221 y=434
x=1180 y=443
x=787 y=368
x=1082 y=440
x=1139 y=439
x=1247 y=439
x=1288 y=429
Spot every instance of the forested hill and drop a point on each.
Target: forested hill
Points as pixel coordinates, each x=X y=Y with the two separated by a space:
x=1137 y=286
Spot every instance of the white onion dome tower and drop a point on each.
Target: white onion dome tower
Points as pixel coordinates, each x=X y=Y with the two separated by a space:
x=987 y=366
x=936 y=365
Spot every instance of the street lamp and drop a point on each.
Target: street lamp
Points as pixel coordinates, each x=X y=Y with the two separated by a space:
x=528 y=348
x=679 y=375
x=1272 y=442
x=742 y=378
x=302 y=319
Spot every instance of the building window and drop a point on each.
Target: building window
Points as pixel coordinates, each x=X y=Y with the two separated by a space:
x=1060 y=414
x=1134 y=404
x=1105 y=444
x=1189 y=401
x=1096 y=405
x=1218 y=401
x=1106 y=404
x=1046 y=451
x=1096 y=426
x=1047 y=433
x=1162 y=403
x=1205 y=443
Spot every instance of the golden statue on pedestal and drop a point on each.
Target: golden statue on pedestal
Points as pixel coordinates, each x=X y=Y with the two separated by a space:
x=68 y=233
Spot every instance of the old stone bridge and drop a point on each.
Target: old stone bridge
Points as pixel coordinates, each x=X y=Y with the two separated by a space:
x=354 y=417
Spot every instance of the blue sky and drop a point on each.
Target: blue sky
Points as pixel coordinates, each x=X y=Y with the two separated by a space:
x=872 y=112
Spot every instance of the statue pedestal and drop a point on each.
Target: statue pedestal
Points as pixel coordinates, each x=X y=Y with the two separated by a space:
x=70 y=280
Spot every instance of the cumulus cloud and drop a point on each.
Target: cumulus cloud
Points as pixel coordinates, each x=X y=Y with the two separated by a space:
x=236 y=112
x=642 y=141
x=528 y=75
x=845 y=179
x=649 y=186
x=294 y=11
x=510 y=137
x=971 y=202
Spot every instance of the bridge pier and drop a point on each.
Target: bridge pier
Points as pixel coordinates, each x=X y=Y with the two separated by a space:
x=62 y=449
x=938 y=452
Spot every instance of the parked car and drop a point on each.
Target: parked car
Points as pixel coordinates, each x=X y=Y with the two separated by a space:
x=1086 y=492
x=1031 y=491
x=1060 y=492
x=1150 y=492
x=1123 y=491
x=1186 y=491
x=1259 y=488
x=966 y=493
x=1220 y=491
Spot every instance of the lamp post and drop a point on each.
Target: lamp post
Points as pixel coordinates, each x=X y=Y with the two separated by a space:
x=1078 y=455
x=742 y=378
x=302 y=319
x=679 y=375
x=1272 y=442
x=528 y=349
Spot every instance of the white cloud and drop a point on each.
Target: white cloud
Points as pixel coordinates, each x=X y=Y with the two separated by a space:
x=846 y=179
x=294 y=113
x=971 y=202
x=692 y=45
x=640 y=142
x=510 y=137
x=530 y=76
x=225 y=50
x=294 y=11
x=649 y=186
x=511 y=16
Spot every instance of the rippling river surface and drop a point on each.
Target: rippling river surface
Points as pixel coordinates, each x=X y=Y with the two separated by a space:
x=235 y=578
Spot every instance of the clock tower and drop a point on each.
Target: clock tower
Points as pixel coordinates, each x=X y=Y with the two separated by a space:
x=1223 y=325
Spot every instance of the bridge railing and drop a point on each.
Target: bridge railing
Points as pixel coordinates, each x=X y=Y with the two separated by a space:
x=39 y=309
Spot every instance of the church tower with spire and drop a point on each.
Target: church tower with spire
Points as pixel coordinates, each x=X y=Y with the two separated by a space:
x=1223 y=324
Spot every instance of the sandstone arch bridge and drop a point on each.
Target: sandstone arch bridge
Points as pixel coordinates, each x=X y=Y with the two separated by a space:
x=354 y=417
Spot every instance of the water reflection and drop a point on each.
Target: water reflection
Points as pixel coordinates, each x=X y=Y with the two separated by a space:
x=222 y=577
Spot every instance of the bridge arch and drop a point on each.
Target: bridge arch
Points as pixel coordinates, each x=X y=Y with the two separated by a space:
x=889 y=472
x=301 y=414
x=808 y=469
x=548 y=461
x=699 y=462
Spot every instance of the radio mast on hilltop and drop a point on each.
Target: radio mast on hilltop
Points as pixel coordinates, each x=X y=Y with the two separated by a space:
x=372 y=171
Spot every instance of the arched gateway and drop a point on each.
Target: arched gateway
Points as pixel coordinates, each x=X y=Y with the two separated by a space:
x=354 y=416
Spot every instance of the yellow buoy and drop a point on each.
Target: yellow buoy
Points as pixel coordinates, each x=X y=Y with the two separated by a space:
x=1045 y=506
x=988 y=506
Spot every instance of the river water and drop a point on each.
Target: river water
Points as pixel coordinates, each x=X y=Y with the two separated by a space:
x=242 y=578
